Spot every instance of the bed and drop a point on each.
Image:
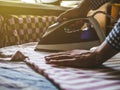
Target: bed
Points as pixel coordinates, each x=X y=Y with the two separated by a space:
x=36 y=74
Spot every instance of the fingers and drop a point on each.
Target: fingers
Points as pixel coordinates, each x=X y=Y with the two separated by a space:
x=57 y=54
x=58 y=57
x=63 y=55
x=75 y=58
x=61 y=62
x=73 y=62
x=66 y=15
x=63 y=17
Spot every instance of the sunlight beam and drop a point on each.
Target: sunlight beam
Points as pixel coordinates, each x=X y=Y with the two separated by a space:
x=28 y=1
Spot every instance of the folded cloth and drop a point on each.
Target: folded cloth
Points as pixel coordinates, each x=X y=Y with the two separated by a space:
x=106 y=77
x=18 y=56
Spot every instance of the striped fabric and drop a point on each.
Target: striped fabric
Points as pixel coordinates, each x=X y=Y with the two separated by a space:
x=26 y=28
x=106 y=77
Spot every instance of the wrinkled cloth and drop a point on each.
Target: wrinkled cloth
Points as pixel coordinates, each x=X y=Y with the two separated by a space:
x=106 y=77
x=16 y=75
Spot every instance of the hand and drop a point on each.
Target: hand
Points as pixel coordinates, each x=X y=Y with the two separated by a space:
x=74 y=58
x=69 y=14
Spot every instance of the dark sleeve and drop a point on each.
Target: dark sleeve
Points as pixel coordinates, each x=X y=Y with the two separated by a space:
x=95 y=4
x=88 y=5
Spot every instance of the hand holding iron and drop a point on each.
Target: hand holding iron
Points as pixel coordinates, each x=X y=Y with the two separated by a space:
x=87 y=58
x=70 y=14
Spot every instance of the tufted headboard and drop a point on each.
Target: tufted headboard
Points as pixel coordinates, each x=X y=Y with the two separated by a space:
x=21 y=29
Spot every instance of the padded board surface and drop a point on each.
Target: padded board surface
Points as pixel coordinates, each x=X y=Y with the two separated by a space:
x=106 y=77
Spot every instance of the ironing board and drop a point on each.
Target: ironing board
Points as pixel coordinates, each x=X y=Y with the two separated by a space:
x=17 y=75
x=106 y=77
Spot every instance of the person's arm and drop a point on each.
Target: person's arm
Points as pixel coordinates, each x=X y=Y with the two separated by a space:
x=89 y=58
x=104 y=52
x=83 y=58
x=81 y=10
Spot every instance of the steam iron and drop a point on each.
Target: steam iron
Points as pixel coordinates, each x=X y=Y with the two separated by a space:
x=79 y=33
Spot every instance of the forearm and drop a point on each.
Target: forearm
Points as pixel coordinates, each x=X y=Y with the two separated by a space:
x=105 y=52
x=81 y=10
x=88 y=5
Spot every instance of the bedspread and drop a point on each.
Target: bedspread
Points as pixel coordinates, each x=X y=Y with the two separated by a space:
x=106 y=77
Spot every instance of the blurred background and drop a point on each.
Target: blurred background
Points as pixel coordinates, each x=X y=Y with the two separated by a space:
x=64 y=3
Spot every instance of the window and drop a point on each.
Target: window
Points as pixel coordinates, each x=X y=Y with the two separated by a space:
x=70 y=3
x=64 y=3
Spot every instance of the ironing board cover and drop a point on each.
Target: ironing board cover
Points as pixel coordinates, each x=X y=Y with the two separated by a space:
x=106 y=77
